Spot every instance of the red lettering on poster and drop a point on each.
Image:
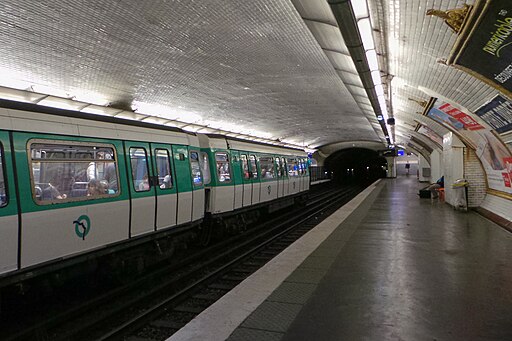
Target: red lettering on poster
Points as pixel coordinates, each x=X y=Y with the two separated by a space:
x=506 y=179
x=466 y=120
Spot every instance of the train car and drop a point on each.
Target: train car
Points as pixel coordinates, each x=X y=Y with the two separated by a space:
x=74 y=185
x=240 y=175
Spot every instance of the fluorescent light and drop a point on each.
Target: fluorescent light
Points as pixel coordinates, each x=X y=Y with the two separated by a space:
x=20 y=95
x=99 y=110
x=61 y=103
x=50 y=91
x=382 y=101
x=191 y=128
x=155 y=120
x=360 y=8
x=376 y=77
x=373 y=62
x=91 y=98
x=365 y=29
x=131 y=115
x=379 y=89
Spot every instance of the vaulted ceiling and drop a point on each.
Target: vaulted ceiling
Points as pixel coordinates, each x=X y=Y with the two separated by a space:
x=278 y=70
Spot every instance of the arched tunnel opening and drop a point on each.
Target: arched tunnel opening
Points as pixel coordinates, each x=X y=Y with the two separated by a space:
x=356 y=165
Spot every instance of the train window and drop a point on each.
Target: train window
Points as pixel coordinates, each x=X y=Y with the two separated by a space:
x=205 y=167
x=293 y=167
x=279 y=167
x=267 y=167
x=253 y=167
x=245 y=166
x=306 y=166
x=72 y=171
x=3 y=191
x=139 y=165
x=163 y=168
x=222 y=165
x=195 y=168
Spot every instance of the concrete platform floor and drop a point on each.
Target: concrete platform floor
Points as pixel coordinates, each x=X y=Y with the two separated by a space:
x=393 y=267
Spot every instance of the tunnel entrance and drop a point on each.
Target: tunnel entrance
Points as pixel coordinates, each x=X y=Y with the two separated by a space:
x=356 y=165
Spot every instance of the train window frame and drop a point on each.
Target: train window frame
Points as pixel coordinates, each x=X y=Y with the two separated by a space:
x=244 y=158
x=277 y=161
x=170 y=169
x=205 y=167
x=226 y=162
x=293 y=161
x=56 y=142
x=191 y=159
x=137 y=188
x=253 y=170
x=3 y=177
x=268 y=160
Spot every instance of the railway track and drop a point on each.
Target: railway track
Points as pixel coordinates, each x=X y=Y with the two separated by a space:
x=154 y=306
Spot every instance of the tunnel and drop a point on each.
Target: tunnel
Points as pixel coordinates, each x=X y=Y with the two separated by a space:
x=356 y=165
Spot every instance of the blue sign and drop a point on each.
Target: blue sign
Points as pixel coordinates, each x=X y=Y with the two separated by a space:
x=497 y=113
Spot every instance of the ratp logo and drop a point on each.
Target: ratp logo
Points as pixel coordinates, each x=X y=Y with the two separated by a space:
x=269 y=189
x=82 y=226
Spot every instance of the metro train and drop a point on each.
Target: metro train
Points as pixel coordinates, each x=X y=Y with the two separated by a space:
x=73 y=183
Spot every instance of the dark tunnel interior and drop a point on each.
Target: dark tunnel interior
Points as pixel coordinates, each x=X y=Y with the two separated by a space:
x=356 y=165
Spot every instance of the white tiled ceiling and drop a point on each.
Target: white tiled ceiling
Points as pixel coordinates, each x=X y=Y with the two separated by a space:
x=252 y=64
x=274 y=68
x=415 y=43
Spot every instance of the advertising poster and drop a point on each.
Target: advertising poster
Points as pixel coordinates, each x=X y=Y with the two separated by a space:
x=496 y=160
x=497 y=114
x=445 y=113
x=494 y=155
x=487 y=49
x=431 y=134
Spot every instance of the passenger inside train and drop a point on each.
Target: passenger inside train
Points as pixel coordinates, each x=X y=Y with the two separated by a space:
x=95 y=187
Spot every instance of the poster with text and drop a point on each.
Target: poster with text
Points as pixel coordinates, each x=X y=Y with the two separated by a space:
x=497 y=114
x=446 y=113
x=496 y=160
x=487 y=50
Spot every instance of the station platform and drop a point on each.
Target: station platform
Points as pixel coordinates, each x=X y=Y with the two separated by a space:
x=386 y=266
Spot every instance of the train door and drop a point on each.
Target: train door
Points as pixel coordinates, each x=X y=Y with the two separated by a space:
x=246 y=180
x=269 y=182
x=163 y=180
x=142 y=190
x=255 y=181
x=197 y=185
x=183 y=183
x=293 y=175
x=286 y=177
x=306 y=174
x=280 y=178
x=8 y=208
x=300 y=162
x=237 y=179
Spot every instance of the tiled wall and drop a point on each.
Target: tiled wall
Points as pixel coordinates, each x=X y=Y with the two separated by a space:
x=475 y=175
x=498 y=205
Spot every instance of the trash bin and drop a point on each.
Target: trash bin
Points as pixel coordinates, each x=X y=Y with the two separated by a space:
x=460 y=194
